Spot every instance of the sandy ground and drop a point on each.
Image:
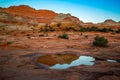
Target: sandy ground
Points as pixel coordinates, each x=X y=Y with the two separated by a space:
x=19 y=48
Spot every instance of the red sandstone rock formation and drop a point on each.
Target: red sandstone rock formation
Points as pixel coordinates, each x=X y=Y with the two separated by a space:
x=44 y=16
x=15 y=16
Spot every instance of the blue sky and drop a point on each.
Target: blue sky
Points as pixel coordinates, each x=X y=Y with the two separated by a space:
x=85 y=10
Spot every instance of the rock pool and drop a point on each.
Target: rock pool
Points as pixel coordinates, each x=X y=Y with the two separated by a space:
x=63 y=61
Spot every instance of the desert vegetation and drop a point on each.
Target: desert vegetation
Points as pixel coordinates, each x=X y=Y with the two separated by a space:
x=80 y=29
x=64 y=36
x=100 y=41
x=96 y=29
x=118 y=31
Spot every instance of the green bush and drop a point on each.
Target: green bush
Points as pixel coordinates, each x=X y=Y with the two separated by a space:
x=104 y=30
x=28 y=35
x=46 y=29
x=9 y=42
x=110 y=30
x=100 y=41
x=41 y=35
x=68 y=29
x=93 y=29
x=82 y=29
x=51 y=29
x=64 y=36
x=118 y=31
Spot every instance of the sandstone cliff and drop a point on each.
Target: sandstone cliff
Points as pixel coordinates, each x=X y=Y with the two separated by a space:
x=24 y=17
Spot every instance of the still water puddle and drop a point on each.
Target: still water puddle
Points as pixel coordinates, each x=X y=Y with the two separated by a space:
x=63 y=61
x=82 y=60
x=110 y=60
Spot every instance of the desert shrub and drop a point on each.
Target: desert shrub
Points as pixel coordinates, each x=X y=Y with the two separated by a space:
x=51 y=29
x=59 y=24
x=93 y=29
x=104 y=30
x=100 y=41
x=86 y=36
x=110 y=30
x=28 y=35
x=67 y=29
x=118 y=31
x=64 y=36
x=9 y=42
x=41 y=35
x=70 y=29
x=82 y=29
x=46 y=29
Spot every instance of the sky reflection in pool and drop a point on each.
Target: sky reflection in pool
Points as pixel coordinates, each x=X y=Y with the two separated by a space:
x=82 y=60
x=110 y=60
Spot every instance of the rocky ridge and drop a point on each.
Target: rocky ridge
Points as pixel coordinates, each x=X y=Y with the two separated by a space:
x=24 y=17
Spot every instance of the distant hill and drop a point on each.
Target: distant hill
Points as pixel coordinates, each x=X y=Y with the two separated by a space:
x=30 y=18
x=30 y=13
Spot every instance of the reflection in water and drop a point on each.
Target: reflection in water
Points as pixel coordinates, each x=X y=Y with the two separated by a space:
x=63 y=61
x=110 y=60
x=54 y=59
x=82 y=60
